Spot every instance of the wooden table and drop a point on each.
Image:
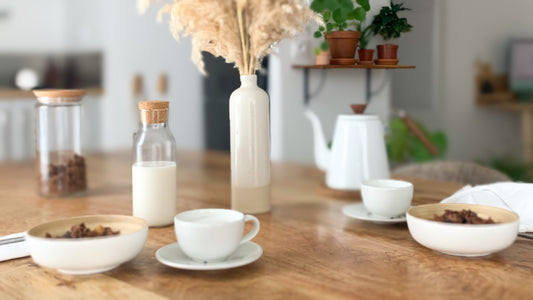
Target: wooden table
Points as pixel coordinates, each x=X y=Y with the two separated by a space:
x=311 y=250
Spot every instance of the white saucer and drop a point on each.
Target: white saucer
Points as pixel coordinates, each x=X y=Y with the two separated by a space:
x=358 y=211
x=172 y=256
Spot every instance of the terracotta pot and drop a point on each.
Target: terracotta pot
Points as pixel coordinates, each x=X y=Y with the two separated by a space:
x=366 y=56
x=322 y=58
x=342 y=44
x=387 y=51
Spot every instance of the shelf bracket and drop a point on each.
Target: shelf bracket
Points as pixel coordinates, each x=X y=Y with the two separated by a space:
x=368 y=85
x=307 y=93
x=306 y=87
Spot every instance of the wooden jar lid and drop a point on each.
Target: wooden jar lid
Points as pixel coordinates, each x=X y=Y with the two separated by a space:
x=58 y=96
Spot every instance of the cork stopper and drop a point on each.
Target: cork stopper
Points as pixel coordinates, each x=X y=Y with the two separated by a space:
x=54 y=96
x=153 y=111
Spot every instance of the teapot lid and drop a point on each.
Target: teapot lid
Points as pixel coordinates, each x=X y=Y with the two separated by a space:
x=358 y=109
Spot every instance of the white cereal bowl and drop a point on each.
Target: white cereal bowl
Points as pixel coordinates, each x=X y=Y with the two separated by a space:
x=463 y=239
x=87 y=255
x=387 y=197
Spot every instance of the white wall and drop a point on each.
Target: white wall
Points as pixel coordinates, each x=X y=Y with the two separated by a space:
x=32 y=25
x=480 y=29
x=137 y=44
x=462 y=32
x=415 y=91
x=479 y=133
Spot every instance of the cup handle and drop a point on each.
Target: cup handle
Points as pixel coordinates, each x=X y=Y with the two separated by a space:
x=250 y=235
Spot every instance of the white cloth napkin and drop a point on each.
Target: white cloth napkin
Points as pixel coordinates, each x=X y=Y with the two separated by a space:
x=513 y=196
x=13 y=250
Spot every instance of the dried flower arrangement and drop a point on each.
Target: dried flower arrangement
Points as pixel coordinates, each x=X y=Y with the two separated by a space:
x=241 y=31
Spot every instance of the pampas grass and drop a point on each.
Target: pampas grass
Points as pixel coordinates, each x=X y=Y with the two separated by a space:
x=241 y=31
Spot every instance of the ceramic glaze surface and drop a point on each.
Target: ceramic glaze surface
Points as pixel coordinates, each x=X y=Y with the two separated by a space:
x=250 y=147
x=357 y=153
x=386 y=197
x=463 y=239
x=87 y=255
x=211 y=235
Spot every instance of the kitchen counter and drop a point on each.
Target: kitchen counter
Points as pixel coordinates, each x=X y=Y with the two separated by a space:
x=311 y=250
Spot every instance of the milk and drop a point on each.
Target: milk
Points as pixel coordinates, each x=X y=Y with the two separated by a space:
x=154 y=192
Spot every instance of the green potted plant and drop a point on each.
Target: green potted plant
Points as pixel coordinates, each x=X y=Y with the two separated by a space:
x=390 y=26
x=404 y=147
x=339 y=16
x=366 y=56
x=322 y=53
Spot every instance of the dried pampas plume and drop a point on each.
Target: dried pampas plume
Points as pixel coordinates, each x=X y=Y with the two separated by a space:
x=240 y=31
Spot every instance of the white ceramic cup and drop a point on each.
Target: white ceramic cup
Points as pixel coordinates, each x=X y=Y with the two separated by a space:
x=387 y=197
x=211 y=235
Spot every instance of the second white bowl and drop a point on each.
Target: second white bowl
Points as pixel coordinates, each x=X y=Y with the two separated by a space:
x=462 y=239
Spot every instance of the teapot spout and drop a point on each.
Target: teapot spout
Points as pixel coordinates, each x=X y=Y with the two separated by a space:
x=322 y=153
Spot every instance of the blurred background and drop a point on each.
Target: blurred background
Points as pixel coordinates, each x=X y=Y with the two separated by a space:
x=461 y=88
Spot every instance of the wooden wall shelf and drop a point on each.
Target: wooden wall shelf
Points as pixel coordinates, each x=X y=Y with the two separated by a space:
x=514 y=105
x=352 y=67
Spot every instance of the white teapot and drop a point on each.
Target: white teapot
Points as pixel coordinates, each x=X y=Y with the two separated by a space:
x=358 y=150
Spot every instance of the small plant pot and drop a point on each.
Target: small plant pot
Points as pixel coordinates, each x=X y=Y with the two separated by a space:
x=342 y=46
x=366 y=56
x=322 y=58
x=387 y=51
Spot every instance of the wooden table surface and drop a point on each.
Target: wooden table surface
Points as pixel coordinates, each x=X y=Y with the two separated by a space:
x=311 y=250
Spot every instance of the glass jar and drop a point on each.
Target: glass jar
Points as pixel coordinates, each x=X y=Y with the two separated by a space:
x=154 y=166
x=60 y=163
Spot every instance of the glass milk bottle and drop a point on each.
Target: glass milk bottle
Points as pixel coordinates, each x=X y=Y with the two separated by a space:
x=60 y=164
x=154 y=166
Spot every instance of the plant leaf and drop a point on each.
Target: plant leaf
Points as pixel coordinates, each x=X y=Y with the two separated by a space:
x=365 y=4
x=324 y=45
x=318 y=5
x=338 y=16
x=326 y=16
x=346 y=6
x=360 y=14
x=317 y=34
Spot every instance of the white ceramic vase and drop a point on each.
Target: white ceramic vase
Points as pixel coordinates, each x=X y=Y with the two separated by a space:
x=249 y=113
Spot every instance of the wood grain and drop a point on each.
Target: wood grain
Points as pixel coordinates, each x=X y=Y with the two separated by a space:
x=311 y=250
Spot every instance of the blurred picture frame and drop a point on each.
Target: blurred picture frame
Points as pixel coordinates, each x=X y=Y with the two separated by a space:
x=521 y=67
